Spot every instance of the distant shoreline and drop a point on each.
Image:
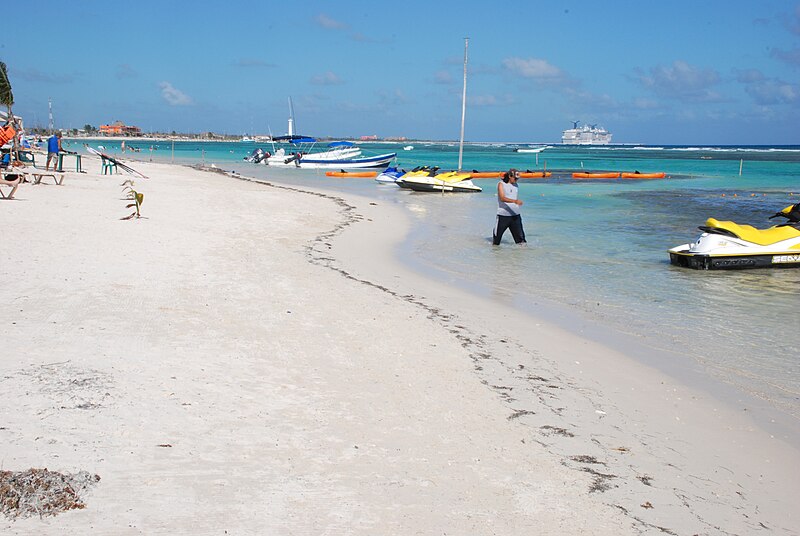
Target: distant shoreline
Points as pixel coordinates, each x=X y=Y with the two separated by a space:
x=552 y=145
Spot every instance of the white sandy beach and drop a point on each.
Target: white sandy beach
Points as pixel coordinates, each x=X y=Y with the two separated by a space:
x=250 y=359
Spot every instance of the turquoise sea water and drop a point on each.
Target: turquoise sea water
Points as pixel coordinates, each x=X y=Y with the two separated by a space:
x=597 y=248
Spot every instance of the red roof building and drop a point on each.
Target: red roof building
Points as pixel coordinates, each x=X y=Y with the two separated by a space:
x=120 y=129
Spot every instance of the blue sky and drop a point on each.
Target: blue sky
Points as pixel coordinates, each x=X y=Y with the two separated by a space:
x=678 y=72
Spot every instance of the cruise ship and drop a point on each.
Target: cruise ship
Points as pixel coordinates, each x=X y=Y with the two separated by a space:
x=586 y=135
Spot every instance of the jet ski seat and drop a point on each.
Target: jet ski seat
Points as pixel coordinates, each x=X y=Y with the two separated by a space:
x=762 y=237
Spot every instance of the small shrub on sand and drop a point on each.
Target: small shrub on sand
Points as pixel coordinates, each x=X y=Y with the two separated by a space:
x=132 y=195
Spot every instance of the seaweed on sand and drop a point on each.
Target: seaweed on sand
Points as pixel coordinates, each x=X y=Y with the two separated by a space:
x=42 y=492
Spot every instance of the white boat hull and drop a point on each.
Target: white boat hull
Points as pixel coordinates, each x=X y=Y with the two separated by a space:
x=720 y=252
x=380 y=161
x=280 y=158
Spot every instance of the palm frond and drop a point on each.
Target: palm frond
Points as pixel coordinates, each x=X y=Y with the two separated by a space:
x=6 y=96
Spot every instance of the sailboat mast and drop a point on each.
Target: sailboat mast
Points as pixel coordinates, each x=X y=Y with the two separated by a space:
x=463 y=106
x=291 y=117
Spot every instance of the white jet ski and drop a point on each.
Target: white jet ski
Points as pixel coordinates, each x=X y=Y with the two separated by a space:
x=725 y=245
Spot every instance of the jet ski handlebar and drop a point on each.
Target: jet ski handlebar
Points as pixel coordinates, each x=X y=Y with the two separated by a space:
x=791 y=213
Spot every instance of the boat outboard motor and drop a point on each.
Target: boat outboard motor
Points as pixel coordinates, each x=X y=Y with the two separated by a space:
x=252 y=157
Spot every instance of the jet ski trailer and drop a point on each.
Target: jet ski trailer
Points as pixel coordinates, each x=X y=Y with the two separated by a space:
x=725 y=245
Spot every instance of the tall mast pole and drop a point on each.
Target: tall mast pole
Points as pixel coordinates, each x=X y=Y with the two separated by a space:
x=51 y=123
x=291 y=117
x=463 y=106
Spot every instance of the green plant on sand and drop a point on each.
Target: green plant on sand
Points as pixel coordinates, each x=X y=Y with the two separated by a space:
x=132 y=195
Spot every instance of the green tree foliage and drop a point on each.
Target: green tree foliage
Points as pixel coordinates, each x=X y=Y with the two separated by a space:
x=6 y=96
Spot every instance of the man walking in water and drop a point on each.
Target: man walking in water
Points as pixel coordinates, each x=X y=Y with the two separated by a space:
x=508 y=216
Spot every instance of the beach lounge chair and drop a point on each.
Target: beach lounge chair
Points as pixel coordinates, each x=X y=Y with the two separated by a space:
x=12 y=179
x=38 y=174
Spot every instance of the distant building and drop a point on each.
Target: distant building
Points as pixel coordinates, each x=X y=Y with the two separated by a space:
x=120 y=129
x=369 y=138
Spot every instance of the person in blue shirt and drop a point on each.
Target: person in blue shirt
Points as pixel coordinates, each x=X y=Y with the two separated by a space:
x=53 y=148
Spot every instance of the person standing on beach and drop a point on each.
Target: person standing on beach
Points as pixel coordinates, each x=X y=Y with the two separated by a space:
x=508 y=216
x=53 y=148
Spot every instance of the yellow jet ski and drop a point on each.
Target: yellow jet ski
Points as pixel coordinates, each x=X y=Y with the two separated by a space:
x=726 y=245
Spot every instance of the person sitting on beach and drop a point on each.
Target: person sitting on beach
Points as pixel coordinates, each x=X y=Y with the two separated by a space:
x=53 y=148
x=508 y=212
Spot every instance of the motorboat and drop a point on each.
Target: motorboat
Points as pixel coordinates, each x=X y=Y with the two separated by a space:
x=725 y=245
x=281 y=158
x=538 y=149
x=431 y=180
x=257 y=156
x=303 y=145
x=338 y=155
x=322 y=161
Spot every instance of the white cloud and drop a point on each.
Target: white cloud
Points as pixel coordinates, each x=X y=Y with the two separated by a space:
x=793 y=21
x=443 y=77
x=645 y=104
x=773 y=91
x=681 y=81
x=791 y=57
x=328 y=78
x=393 y=97
x=479 y=101
x=535 y=68
x=589 y=100
x=252 y=63
x=482 y=100
x=748 y=76
x=174 y=96
x=329 y=23
x=125 y=71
